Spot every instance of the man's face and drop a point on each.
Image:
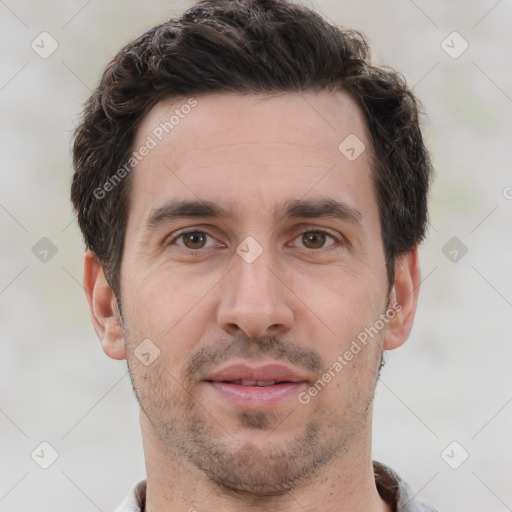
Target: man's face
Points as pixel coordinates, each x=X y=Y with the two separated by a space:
x=274 y=291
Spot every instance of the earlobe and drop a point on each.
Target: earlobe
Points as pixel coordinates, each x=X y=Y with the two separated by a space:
x=103 y=308
x=403 y=300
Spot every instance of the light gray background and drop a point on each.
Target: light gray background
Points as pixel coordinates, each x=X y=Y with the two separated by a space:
x=450 y=382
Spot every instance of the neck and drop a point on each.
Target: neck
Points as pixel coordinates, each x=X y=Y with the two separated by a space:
x=344 y=484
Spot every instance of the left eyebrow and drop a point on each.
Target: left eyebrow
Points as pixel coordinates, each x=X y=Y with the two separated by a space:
x=313 y=208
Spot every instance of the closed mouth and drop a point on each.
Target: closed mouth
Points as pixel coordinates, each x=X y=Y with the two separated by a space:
x=258 y=383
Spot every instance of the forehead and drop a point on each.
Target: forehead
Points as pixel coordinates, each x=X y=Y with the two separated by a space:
x=324 y=116
x=243 y=150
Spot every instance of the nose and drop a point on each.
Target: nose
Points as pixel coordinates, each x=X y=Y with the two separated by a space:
x=255 y=299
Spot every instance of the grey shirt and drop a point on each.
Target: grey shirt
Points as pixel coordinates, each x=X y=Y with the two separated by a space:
x=390 y=486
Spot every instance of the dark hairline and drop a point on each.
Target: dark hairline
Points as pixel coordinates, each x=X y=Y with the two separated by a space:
x=149 y=70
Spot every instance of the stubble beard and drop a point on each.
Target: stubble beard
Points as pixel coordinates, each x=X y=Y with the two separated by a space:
x=192 y=433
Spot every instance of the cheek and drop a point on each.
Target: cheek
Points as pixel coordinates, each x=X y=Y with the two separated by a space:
x=352 y=353
x=159 y=390
x=351 y=374
x=160 y=298
x=345 y=301
x=166 y=312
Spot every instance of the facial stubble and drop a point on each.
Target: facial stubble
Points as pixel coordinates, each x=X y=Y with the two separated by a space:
x=196 y=435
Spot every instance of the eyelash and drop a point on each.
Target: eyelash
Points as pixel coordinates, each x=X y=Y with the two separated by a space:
x=179 y=236
x=326 y=233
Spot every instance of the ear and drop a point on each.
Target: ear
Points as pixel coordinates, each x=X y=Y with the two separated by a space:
x=103 y=308
x=404 y=295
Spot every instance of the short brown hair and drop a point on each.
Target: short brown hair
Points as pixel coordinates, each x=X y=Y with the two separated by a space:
x=246 y=47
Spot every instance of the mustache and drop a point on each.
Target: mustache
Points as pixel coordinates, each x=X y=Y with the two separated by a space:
x=254 y=349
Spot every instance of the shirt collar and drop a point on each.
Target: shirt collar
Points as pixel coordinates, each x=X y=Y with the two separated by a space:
x=390 y=486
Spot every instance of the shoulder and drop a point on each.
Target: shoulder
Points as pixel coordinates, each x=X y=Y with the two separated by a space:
x=135 y=500
x=397 y=491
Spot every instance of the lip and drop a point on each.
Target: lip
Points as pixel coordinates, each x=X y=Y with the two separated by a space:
x=256 y=398
x=265 y=372
x=225 y=383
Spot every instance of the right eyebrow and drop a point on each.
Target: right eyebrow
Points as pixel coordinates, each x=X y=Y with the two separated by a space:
x=173 y=210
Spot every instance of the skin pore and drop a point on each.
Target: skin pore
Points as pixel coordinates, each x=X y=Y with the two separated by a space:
x=269 y=168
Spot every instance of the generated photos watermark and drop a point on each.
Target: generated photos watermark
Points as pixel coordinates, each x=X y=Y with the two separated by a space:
x=157 y=135
x=344 y=359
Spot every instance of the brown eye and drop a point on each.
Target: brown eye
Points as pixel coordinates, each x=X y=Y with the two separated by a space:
x=194 y=239
x=313 y=239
